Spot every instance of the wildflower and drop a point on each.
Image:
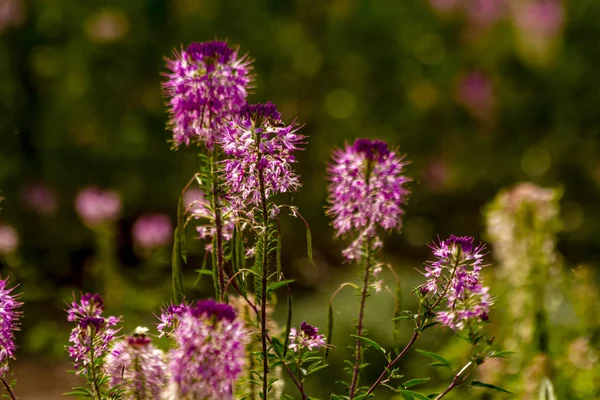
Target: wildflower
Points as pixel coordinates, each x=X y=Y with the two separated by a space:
x=152 y=231
x=9 y=323
x=92 y=334
x=9 y=240
x=454 y=278
x=198 y=206
x=137 y=366
x=209 y=356
x=366 y=192
x=170 y=316
x=206 y=83
x=96 y=206
x=261 y=153
x=307 y=338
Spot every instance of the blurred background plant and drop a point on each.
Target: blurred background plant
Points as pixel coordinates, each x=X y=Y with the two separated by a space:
x=481 y=94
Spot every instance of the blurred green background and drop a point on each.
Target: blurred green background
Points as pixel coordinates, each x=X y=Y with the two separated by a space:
x=480 y=95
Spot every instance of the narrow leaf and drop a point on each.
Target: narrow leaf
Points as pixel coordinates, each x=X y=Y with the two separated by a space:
x=501 y=354
x=309 y=246
x=441 y=360
x=371 y=343
x=329 y=334
x=288 y=324
x=414 y=395
x=397 y=319
x=414 y=382
x=176 y=264
x=278 y=253
x=489 y=386
x=276 y=285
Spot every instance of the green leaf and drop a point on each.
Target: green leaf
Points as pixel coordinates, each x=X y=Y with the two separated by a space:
x=371 y=343
x=412 y=394
x=309 y=246
x=501 y=354
x=288 y=323
x=489 y=386
x=329 y=334
x=414 y=382
x=276 y=285
x=441 y=361
x=177 y=269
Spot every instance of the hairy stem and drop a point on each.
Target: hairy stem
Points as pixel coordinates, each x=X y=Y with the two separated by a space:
x=8 y=388
x=391 y=365
x=216 y=204
x=360 y=323
x=457 y=381
x=93 y=366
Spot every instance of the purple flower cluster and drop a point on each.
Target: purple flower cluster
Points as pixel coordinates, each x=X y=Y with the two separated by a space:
x=307 y=338
x=209 y=356
x=455 y=277
x=137 y=367
x=92 y=334
x=169 y=317
x=206 y=84
x=9 y=240
x=367 y=190
x=259 y=146
x=152 y=231
x=96 y=206
x=9 y=323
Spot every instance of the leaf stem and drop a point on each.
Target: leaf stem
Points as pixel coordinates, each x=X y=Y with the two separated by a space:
x=218 y=224
x=392 y=363
x=457 y=381
x=8 y=388
x=360 y=322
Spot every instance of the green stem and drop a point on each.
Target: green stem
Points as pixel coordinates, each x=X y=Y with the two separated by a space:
x=93 y=366
x=457 y=381
x=8 y=388
x=360 y=322
x=218 y=224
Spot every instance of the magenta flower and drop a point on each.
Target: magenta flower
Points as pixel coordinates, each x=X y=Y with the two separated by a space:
x=137 y=367
x=210 y=352
x=9 y=323
x=367 y=191
x=9 y=240
x=199 y=207
x=543 y=17
x=455 y=279
x=169 y=317
x=40 y=198
x=307 y=338
x=96 y=206
x=152 y=231
x=92 y=334
x=206 y=84
x=258 y=143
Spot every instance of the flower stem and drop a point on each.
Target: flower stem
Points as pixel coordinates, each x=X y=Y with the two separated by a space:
x=394 y=362
x=218 y=224
x=8 y=388
x=93 y=365
x=359 y=324
x=458 y=380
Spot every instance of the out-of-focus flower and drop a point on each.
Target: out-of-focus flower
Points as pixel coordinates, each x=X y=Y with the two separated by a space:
x=475 y=92
x=137 y=367
x=261 y=154
x=107 y=26
x=92 y=334
x=96 y=206
x=307 y=338
x=9 y=239
x=542 y=17
x=40 y=198
x=153 y=231
x=209 y=356
x=9 y=323
x=206 y=85
x=444 y=5
x=485 y=13
x=12 y=13
x=454 y=278
x=366 y=192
